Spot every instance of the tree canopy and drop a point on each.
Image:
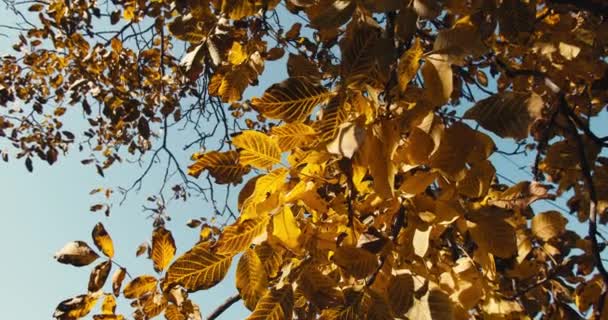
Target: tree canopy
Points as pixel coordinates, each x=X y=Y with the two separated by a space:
x=366 y=187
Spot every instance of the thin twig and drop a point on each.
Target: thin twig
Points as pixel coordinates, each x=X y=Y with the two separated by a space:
x=224 y=306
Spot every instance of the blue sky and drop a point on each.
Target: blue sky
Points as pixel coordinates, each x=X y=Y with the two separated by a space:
x=45 y=209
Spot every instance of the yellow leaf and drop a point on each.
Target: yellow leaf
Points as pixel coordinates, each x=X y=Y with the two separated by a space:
x=507 y=114
x=240 y=235
x=421 y=241
x=359 y=50
x=117 y=278
x=417 y=183
x=198 y=268
x=237 y=10
x=285 y=228
x=109 y=304
x=163 y=248
x=291 y=100
x=292 y=135
x=319 y=289
x=77 y=307
x=99 y=275
x=357 y=262
x=140 y=286
x=172 y=312
x=251 y=278
x=274 y=305
x=257 y=149
x=438 y=82
x=477 y=180
x=102 y=240
x=271 y=257
x=377 y=153
x=548 y=225
x=223 y=166
x=493 y=234
x=237 y=55
x=129 y=13
x=332 y=117
x=153 y=304
x=409 y=63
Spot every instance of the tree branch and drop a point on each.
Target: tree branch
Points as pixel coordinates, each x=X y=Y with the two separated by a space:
x=224 y=306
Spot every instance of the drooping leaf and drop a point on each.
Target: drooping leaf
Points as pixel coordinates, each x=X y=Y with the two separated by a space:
x=198 y=269
x=438 y=81
x=409 y=62
x=117 y=278
x=99 y=275
x=257 y=149
x=163 y=248
x=251 y=278
x=291 y=100
x=140 y=286
x=508 y=114
x=102 y=240
x=285 y=228
x=401 y=293
x=76 y=253
x=225 y=167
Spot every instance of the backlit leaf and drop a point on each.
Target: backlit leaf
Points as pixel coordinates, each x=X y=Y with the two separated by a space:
x=274 y=305
x=251 y=278
x=117 y=278
x=292 y=135
x=199 y=268
x=140 y=286
x=102 y=240
x=99 y=275
x=507 y=114
x=225 y=167
x=285 y=228
x=291 y=100
x=408 y=65
x=240 y=235
x=257 y=149
x=163 y=248
x=77 y=307
x=548 y=225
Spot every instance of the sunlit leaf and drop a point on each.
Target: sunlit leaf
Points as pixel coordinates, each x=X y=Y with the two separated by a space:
x=257 y=149
x=163 y=248
x=199 y=268
x=251 y=278
x=102 y=240
x=76 y=253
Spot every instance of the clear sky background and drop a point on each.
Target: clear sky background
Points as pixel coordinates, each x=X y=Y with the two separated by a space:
x=45 y=209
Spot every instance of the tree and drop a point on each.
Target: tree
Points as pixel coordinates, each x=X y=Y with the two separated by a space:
x=367 y=189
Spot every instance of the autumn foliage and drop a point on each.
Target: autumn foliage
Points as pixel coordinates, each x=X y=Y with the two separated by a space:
x=367 y=187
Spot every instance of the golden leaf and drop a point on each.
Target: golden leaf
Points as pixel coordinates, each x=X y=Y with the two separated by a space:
x=348 y=140
x=332 y=117
x=172 y=312
x=319 y=289
x=109 y=304
x=435 y=304
x=199 y=268
x=548 y=225
x=501 y=241
x=271 y=256
x=153 y=304
x=140 y=286
x=240 y=235
x=251 y=278
x=329 y=14
x=257 y=149
x=285 y=228
x=102 y=240
x=99 y=275
x=359 y=60
x=274 y=305
x=507 y=114
x=291 y=100
x=477 y=180
x=163 y=248
x=117 y=278
x=292 y=135
x=438 y=82
x=237 y=54
x=77 y=307
x=409 y=62
x=237 y=10
x=223 y=166
x=76 y=253
x=357 y=262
